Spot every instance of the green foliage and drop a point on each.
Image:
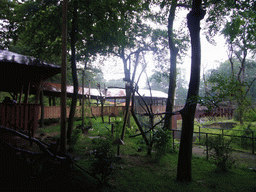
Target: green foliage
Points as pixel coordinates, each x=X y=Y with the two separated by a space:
x=220 y=152
x=103 y=164
x=250 y=115
x=197 y=140
x=75 y=135
x=162 y=140
x=118 y=126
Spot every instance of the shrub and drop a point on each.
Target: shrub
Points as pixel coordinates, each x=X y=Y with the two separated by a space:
x=220 y=151
x=162 y=141
x=250 y=116
x=103 y=164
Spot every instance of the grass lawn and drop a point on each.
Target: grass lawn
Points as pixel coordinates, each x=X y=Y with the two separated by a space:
x=136 y=171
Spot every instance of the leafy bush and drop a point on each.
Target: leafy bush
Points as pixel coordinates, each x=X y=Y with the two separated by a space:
x=220 y=151
x=162 y=141
x=250 y=116
x=103 y=153
x=197 y=140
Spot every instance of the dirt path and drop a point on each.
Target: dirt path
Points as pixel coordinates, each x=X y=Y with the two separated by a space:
x=241 y=158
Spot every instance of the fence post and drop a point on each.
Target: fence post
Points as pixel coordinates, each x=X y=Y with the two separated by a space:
x=207 y=156
x=252 y=143
x=112 y=129
x=222 y=131
x=199 y=136
x=173 y=139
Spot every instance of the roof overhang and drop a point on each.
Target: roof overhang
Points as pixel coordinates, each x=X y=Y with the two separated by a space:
x=17 y=70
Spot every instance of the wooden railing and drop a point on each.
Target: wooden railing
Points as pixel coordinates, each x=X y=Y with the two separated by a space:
x=22 y=116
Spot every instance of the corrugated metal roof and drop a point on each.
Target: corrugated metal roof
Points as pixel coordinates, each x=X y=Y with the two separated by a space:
x=8 y=56
x=54 y=87
x=110 y=93
x=17 y=70
x=115 y=93
x=153 y=93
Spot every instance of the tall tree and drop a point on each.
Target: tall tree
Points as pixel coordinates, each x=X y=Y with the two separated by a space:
x=238 y=25
x=73 y=39
x=173 y=60
x=177 y=46
x=131 y=39
x=188 y=112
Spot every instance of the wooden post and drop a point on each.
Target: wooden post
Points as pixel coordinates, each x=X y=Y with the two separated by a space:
x=173 y=139
x=199 y=135
x=21 y=93
x=112 y=129
x=50 y=100
x=207 y=152
x=252 y=143
x=38 y=89
x=53 y=101
x=83 y=100
x=27 y=93
x=42 y=108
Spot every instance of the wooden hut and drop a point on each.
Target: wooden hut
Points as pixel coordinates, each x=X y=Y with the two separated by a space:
x=18 y=73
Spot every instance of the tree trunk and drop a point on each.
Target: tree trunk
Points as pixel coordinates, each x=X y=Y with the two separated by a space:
x=172 y=80
x=63 y=101
x=188 y=112
x=128 y=94
x=102 y=109
x=74 y=73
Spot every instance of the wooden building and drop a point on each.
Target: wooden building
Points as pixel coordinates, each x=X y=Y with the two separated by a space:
x=18 y=74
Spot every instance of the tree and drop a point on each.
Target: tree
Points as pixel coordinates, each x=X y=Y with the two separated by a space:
x=6 y=24
x=177 y=46
x=159 y=81
x=217 y=11
x=172 y=82
x=188 y=112
x=242 y=40
x=239 y=30
x=224 y=89
x=39 y=29
x=115 y=83
x=133 y=38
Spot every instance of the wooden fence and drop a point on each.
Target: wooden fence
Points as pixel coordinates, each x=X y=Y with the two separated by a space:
x=24 y=116
x=51 y=112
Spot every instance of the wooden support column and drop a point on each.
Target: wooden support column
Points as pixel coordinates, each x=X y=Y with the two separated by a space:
x=50 y=100
x=83 y=100
x=53 y=101
x=27 y=93
x=38 y=86
x=21 y=93
x=41 y=123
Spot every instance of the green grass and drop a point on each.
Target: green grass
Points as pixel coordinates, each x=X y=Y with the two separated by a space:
x=149 y=176
x=138 y=172
x=238 y=143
